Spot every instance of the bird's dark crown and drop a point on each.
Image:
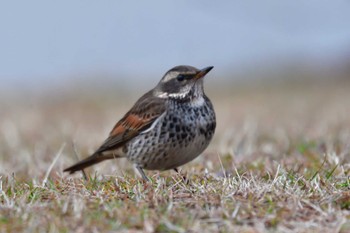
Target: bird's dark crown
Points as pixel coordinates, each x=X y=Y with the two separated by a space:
x=184 y=69
x=181 y=81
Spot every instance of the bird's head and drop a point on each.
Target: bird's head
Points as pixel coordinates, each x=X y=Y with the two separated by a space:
x=182 y=82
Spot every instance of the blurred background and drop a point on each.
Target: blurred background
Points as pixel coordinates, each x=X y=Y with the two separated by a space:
x=70 y=69
x=47 y=45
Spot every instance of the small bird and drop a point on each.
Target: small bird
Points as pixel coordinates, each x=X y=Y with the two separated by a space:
x=167 y=127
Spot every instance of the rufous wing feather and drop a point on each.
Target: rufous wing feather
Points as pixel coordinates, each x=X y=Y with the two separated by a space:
x=141 y=116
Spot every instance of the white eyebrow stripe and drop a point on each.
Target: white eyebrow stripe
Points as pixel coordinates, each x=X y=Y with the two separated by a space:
x=172 y=74
x=169 y=76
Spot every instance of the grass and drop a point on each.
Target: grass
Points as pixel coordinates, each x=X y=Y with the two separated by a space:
x=279 y=162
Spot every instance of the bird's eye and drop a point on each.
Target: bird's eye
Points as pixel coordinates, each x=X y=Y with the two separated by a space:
x=180 y=77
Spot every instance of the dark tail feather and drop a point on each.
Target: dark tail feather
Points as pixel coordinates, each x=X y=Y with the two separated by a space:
x=93 y=159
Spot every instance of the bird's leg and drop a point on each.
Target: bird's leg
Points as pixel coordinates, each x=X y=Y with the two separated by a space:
x=140 y=170
x=184 y=178
x=77 y=158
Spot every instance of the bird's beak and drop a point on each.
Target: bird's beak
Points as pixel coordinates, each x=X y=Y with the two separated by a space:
x=203 y=72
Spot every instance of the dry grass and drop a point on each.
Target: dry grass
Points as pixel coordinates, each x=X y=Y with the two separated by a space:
x=279 y=162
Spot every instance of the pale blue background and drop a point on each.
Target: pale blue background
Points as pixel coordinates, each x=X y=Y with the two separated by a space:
x=44 y=43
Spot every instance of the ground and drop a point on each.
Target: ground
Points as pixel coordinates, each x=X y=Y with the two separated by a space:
x=279 y=162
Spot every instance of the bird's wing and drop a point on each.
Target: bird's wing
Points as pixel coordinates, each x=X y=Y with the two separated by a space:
x=140 y=117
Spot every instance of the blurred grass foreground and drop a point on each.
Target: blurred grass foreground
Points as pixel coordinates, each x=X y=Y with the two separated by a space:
x=279 y=162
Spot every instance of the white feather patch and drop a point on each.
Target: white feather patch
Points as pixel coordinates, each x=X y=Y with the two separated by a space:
x=154 y=123
x=197 y=102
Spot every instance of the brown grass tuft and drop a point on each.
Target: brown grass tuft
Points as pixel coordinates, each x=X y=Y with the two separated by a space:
x=279 y=162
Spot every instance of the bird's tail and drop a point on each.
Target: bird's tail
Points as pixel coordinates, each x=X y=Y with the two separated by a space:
x=91 y=160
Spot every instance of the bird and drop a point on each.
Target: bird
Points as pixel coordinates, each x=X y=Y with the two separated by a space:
x=167 y=127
